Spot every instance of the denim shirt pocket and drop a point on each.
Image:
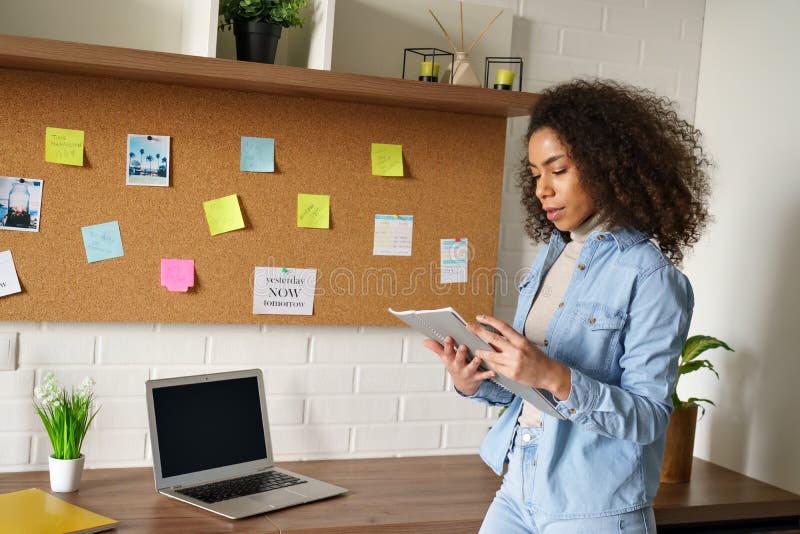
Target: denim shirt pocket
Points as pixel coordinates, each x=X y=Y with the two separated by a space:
x=591 y=337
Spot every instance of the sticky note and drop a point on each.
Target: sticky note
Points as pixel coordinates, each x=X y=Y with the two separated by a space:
x=282 y=291
x=454 y=260
x=63 y=146
x=393 y=235
x=9 y=283
x=387 y=160
x=102 y=241
x=177 y=275
x=257 y=154
x=223 y=214
x=313 y=211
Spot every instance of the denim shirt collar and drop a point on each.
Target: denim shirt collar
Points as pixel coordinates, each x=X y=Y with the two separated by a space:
x=624 y=237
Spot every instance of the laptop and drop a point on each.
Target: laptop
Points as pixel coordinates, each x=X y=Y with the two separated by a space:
x=211 y=446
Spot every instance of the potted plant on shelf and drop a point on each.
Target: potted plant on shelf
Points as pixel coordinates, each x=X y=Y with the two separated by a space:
x=66 y=417
x=679 y=448
x=257 y=25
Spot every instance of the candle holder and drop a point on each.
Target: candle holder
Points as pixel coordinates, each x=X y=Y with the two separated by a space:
x=428 y=55
x=516 y=68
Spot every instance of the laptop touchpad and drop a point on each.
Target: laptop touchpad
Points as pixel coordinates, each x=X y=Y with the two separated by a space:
x=277 y=498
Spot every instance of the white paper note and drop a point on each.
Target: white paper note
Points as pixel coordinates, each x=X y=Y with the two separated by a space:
x=454 y=253
x=393 y=235
x=283 y=291
x=9 y=283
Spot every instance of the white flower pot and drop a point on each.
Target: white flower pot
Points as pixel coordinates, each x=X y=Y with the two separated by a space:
x=65 y=475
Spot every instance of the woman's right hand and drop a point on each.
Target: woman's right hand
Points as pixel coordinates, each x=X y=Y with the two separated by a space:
x=467 y=377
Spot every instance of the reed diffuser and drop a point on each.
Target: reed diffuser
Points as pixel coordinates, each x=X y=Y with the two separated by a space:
x=460 y=68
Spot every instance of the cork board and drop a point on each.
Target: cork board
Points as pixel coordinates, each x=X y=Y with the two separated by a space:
x=453 y=165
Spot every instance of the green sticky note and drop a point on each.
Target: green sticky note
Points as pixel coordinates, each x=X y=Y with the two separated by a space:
x=223 y=214
x=387 y=160
x=313 y=211
x=63 y=146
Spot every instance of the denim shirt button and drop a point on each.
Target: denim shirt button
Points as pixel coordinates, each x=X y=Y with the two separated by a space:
x=560 y=304
x=581 y=267
x=546 y=343
x=572 y=411
x=601 y=237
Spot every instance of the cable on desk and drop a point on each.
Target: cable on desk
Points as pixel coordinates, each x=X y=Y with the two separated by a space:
x=266 y=516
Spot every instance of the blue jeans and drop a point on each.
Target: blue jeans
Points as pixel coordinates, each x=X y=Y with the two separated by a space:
x=511 y=511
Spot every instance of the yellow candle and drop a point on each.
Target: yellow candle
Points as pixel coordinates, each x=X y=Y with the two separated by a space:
x=429 y=68
x=504 y=77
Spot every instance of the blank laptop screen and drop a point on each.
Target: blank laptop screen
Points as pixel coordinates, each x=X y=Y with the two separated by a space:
x=207 y=425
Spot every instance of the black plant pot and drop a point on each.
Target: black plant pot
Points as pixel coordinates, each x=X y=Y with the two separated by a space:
x=256 y=41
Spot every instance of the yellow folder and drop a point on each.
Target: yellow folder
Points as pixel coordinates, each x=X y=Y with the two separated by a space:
x=34 y=511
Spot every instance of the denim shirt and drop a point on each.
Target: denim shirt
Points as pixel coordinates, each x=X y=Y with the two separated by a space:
x=624 y=320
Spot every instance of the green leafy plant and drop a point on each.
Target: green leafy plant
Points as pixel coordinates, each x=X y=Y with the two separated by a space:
x=66 y=415
x=284 y=13
x=694 y=347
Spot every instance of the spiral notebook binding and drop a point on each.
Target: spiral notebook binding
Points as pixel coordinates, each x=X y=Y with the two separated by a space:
x=439 y=337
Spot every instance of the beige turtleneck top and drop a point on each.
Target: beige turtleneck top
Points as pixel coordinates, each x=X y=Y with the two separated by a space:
x=550 y=295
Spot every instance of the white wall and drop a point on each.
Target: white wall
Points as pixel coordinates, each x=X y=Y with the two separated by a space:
x=199 y=27
x=334 y=391
x=143 y=24
x=745 y=269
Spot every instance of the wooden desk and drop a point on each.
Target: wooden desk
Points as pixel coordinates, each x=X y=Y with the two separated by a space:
x=437 y=494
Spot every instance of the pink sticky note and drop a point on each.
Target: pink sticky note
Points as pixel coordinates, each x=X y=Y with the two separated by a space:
x=177 y=275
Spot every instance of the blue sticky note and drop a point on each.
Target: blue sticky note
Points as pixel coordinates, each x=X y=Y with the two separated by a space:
x=258 y=154
x=102 y=241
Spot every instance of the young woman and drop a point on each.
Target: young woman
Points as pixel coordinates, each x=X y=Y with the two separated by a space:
x=616 y=186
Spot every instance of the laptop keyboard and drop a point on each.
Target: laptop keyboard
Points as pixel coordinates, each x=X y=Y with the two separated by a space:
x=239 y=487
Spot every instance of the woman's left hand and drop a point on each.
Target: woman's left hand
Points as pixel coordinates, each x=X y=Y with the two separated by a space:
x=519 y=359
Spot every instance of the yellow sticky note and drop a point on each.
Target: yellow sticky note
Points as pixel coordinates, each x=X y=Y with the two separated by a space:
x=387 y=160
x=223 y=214
x=63 y=146
x=313 y=211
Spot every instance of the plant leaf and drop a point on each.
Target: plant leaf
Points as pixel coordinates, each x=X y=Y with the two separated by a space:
x=695 y=401
x=696 y=345
x=695 y=365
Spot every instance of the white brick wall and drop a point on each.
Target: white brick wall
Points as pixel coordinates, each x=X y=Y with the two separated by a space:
x=392 y=438
x=445 y=406
x=343 y=392
x=15 y=449
x=352 y=409
x=16 y=383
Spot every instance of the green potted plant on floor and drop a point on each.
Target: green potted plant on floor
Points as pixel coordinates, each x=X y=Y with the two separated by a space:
x=257 y=25
x=679 y=448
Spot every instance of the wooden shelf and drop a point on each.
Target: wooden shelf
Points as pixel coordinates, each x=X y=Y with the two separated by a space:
x=105 y=61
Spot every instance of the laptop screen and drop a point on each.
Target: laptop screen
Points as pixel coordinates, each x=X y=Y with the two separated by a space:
x=207 y=425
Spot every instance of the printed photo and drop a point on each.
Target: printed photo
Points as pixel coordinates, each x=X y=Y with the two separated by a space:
x=20 y=204
x=148 y=160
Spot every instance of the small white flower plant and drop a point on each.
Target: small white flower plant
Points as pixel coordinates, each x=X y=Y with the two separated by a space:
x=66 y=414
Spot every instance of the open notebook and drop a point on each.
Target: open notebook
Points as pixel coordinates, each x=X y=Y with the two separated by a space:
x=438 y=324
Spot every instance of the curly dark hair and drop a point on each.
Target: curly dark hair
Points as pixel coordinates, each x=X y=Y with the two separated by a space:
x=643 y=166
